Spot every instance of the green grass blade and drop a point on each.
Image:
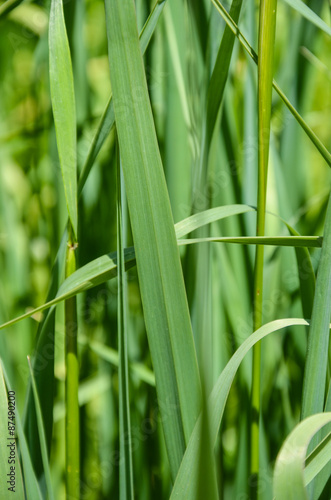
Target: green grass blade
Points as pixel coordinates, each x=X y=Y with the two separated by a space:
x=251 y=52
x=318 y=459
x=30 y=480
x=8 y=445
x=289 y=469
x=283 y=241
x=220 y=73
x=186 y=481
x=42 y=437
x=63 y=104
x=309 y=14
x=108 y=118
x=318 y=338
x=267 y=30
x=125 y=467
x=159 y=269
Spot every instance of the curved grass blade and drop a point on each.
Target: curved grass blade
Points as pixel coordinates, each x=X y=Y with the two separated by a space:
x=251 y=52
x=289 y=469
x=318 y=459
x=159 y=269
x=309 y=14
x=186 y=480
x=42 y=437
x=63 y=104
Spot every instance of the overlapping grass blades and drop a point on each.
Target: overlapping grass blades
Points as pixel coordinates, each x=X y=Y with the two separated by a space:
x=160 y=276
x=289 y=479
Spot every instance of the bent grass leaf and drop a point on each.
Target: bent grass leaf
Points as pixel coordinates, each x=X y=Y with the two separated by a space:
x=186 y=480
x=309 y=14
x=289 y=481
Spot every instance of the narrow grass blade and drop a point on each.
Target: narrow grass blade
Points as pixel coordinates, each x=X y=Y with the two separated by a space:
x=63 y=104
x=159 y=270
x=283 y=241
x=289 y=469
x=267 y=30
x=186 y=481
x=125 y=467
x=72 y=435
x=318 y=338
x=220 y=73
x=309 y=14
x=108 y=118
x=318 y=459
x=11 y=484
x=30 y=480
x=42 y=437
x=251 y=52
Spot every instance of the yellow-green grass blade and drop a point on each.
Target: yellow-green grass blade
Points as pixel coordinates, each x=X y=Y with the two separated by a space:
x=186 y=481
x=289 y=480
x=267 y=30
x=8 y=6
x=284 y=241
x=159 y=270
x=104 y=268
x=125 y=467
x=30 y=480
x=11 y=484
x=63 y=104
x=319 y=332
x=42 y=437
x=309 y=14
x=251 y=52
x=108 y=119
x=318 y=459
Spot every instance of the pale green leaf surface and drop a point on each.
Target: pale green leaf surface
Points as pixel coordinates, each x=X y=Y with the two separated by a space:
x=186 y=481
x=309 y=14
x=289 y=469
x=63 y=104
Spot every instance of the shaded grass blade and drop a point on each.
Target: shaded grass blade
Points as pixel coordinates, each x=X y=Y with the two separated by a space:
x=309 y=14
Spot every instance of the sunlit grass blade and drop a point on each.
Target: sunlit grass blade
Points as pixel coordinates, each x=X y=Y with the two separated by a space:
x=284 y=241
x=63 y=104
x=251 y=52
x=267 y=30
x=42 y=437
x=318 y=459
x=186 y=481
x=159 y=269
x=289 y=469
x=309 y=14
